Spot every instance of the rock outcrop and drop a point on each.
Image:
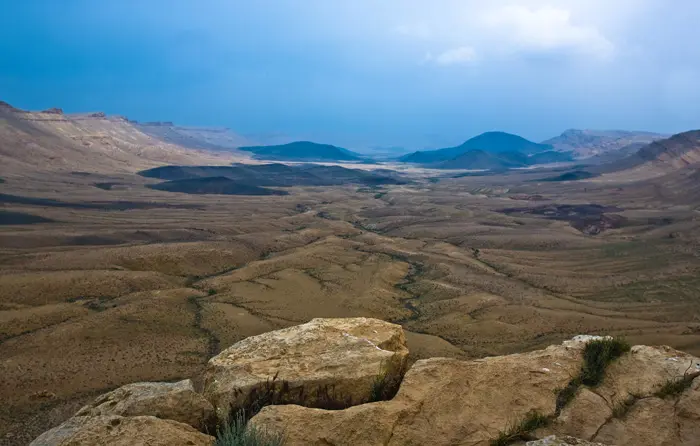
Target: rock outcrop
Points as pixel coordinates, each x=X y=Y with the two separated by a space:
x=329 y=363
x=446 y=402
x=647 y=395
x=172 y=401
x=122 y=431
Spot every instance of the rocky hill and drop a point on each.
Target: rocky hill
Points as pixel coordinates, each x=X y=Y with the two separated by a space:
x=302 y=151
x=587 y=143
x=348 y=382
x=489 y=142
x=52 y=141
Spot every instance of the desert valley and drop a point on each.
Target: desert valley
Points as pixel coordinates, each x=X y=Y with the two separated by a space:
x=136 y=252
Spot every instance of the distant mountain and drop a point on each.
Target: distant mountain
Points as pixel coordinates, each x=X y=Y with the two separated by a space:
x=570 y=176
x=614 y=155
x=549 y=157
x=94 y=142
x=489 y=142
x=586 y=143
x=214 y=185
x=302 y=151
x=478 y=159
x=663 y=156
x=203 y=138
x=277 y=175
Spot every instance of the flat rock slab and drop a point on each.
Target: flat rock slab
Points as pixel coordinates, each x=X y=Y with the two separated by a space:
x=553 y=440
x=441 y=402
x=122 y=431
x=445 y=402
x=329 y=363
x=172 y=401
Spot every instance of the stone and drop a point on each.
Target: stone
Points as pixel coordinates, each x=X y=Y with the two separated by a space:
x=330 y=363
x=173 y=401
x=114 y=430
x=584 y=415
x=441 y=402
x=553 y=440
x=650 y=422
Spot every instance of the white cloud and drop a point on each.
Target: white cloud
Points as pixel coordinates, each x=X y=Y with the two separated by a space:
x=454 y=56
x=545 y=29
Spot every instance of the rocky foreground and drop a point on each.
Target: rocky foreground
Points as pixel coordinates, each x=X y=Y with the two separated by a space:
x=347 y=382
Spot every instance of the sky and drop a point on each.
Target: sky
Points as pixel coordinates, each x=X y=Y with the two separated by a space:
x=361 y=73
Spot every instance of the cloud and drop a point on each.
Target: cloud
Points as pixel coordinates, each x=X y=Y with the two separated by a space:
x=546 y=29
x=455 y=56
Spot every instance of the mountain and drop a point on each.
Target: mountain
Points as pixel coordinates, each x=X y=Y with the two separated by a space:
x=478 y=159
x=53 y=141
x=549 y=157
x=662 y=156
x=214 y=185
x=613 y=155
x=586 y=143
x=489 y=142
x=302 y=151
x=203 y=138
x=276 y=175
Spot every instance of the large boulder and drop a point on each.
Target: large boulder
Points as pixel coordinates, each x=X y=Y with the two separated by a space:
x=441 y=402
x=173 y=401
x=122 y=431
x=329 y=363
x=447 y=401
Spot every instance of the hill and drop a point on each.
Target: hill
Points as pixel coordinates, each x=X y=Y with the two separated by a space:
x=53 y=141
x=302 y=151
x=214 y=185
x=489 y=142
x=202 y=138
x=587 y=143
x=660 y=157
x=276 y=175
x=478 y=159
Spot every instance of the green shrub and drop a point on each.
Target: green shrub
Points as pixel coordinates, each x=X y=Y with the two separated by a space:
x=522 y=431
x=387 y=383
x=597 y=355
x=676 y=386
x=238 y=433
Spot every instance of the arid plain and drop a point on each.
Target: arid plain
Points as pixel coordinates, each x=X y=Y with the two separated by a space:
x=134 y=284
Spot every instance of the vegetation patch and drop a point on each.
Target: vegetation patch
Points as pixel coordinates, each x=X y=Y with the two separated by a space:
x=522 y=431
x=597 y=355
x=239 y=433
x=676 y=386
x=386 y=384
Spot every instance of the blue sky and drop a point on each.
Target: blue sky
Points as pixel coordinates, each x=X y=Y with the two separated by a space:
x=363 y=72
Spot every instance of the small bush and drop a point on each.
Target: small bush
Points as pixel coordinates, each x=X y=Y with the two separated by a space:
x=211 y=291
x=567 y=394
x=238 y=433
x=597 y=355
x=522 y=431
x=387 y=383
x=676 y=386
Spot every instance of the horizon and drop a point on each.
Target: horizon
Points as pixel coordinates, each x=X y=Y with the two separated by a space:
x=361 y=75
